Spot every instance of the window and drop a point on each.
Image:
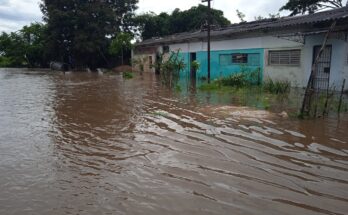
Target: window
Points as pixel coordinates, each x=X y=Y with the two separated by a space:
x=165 y=49
x=252 y=59
x=285 y=58
x=239 y=58
x=150 y=62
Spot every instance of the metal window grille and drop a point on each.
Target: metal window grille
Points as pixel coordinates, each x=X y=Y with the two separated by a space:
x=252 y=59
x=239 y=58
x=285 y=58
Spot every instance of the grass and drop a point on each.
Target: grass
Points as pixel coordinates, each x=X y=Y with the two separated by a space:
x=127 y=75
x=247 y=80
x=277 y=87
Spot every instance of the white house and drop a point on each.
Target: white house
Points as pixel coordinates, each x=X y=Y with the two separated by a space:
x=280 y=49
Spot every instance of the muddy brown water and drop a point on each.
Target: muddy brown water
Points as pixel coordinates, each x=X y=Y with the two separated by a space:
x=97 y=144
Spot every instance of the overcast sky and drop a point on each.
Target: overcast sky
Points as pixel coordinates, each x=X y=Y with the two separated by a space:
x=16 y=13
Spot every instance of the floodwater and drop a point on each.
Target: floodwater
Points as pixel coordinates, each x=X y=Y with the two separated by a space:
x=97 y=144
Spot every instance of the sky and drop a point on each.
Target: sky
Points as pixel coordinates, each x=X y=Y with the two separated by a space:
x=14 y=14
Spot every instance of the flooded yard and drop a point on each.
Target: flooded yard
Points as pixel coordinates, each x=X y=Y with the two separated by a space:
x=83 y=143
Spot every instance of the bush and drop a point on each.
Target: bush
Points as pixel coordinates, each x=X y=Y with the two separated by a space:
x=277 y=87
x=212 y=86
x=241 y=79
x=195 y=65
x=127 y=75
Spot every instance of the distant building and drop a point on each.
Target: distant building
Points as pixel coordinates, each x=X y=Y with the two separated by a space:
x=281 y=49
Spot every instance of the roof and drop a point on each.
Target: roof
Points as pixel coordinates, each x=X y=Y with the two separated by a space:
x=255 y=26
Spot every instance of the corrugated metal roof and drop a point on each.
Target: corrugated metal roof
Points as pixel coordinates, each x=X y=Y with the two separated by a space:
x=267 y=24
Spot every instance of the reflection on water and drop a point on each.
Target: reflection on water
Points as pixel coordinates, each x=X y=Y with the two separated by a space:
x=93 y=144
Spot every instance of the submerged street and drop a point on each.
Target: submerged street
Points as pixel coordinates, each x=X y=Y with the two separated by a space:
x=86 y=143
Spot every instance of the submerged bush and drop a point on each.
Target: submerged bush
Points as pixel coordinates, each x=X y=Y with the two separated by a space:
x=127 y=75
x=236 y=80
x=195 y=65
x=215 y=85
x=170 y=68
x=241 y=79
x=277 y=87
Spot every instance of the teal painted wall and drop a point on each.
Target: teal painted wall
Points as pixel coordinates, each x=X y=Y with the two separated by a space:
x=220 y=67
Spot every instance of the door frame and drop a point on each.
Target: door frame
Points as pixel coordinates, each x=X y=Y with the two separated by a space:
x=330 y=63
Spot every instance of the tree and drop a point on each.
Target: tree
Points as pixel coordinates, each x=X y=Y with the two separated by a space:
x=120 y=44
x=35 y=41
x=241 y=16
x=153 y=25
x=270 y=16
x=24 y=47
x=79 y=31
x=310 y=6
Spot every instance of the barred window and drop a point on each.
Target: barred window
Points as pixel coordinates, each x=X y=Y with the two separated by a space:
x=239 y=58
x=285 y=58
x=252 y=59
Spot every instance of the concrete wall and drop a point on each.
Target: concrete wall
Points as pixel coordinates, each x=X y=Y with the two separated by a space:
x=219 y=70
x=247 y=43
x=294 y=74
x=247 y=46
x=298 y=75
x=143 y=61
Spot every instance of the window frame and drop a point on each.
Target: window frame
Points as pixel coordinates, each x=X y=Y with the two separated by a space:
x=289 y=64
x=244 y=56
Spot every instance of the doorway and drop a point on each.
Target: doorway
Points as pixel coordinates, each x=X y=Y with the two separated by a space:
x=193 y=57
x=323 y=68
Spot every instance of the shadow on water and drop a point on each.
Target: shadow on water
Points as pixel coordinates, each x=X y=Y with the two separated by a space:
x=84 y=143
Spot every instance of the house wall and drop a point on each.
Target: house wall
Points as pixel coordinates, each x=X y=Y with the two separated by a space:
x=294 y=74
x=142 y=59
x=245 y=46
x=297 y=75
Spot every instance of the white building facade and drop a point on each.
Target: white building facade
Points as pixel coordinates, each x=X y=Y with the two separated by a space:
x=281 y=49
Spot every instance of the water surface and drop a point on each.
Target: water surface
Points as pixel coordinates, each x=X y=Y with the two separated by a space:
x=97 y=144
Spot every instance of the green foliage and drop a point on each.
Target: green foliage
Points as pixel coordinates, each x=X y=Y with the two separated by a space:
x=215 y=85
x=195 y=65
x=120 y=43
x=24 y=47
x=153 y=25
x=277 y=87
x=270 y=16
x=170 y=68
x=127 y=75
x=310 y=6
x=140 y=63
x=79 y=31
x=178 y=88
x=240 y=15
x=244 y=78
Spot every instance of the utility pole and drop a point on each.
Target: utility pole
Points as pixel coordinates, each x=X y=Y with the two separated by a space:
x=209 y=24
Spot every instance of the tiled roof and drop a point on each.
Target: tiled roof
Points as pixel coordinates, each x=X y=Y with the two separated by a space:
x=267 y=24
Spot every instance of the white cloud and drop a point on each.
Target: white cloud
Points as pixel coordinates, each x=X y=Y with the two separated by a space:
x=16 y=13
x=260 y=7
